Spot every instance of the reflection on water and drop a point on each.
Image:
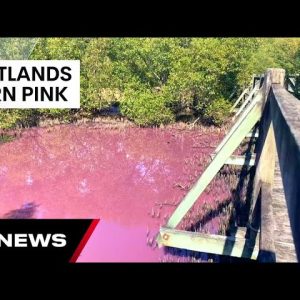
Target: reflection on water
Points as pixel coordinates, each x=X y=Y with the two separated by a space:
x=127 y=177
x=25 y=212
x=29 y=180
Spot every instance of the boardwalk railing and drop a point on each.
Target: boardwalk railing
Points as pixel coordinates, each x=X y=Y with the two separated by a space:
x=280 y=136
x=275 y=205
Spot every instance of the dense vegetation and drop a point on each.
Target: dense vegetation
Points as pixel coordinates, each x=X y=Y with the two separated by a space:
x=157 y=80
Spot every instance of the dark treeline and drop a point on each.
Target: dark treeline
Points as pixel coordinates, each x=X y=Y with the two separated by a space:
x=158 y=80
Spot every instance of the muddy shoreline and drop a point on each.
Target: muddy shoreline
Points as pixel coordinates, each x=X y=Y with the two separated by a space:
x=107 y=122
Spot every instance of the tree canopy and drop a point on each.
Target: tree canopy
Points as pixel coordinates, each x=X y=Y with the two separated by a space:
x=157 y=80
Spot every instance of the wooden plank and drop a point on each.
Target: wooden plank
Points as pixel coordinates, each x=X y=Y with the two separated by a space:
x=285 y=252
x=248 y=99
x=285 y=110
x=293 y=81
x=267 y=252
x=239 y=160
x=239 y=99
x=252 y=134
x=256 y=79
x=265 y=166
x=240 y=232
x=250 y=118
x=257 y=98
x=283 y=236
x=209 y=243
x=277 y=76
x=291 y=84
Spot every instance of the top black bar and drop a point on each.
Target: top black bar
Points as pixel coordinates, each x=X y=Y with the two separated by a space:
x=150 y=19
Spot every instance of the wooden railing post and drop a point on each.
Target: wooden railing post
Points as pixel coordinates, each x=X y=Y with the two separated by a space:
x=266 y=156
x=277 y=76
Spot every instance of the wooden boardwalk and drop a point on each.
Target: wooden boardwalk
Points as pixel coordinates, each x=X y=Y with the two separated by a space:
x=273 y=234
x=282 y=235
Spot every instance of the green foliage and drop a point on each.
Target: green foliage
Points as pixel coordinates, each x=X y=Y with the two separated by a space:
x=271 y=53
x=143 y=60
x=217 y=112
x=196 y=71
x=98 y=85
x=56 y=113
x=11 y=118
x=4 y=138
x=155 y=79
x=145 y=108
x=60 y=48
x=8 y=119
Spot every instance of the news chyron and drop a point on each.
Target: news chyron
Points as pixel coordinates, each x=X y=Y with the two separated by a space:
x=32 y=240
x=44 y=241
x=39 y=84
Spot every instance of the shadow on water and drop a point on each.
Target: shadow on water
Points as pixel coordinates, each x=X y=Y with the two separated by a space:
x=241 y=206
x=211 y=214
x=239 y=216
x=27 y=211
x=208 y=257
x=241 y=196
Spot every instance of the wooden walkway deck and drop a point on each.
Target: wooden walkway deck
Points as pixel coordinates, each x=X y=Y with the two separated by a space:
x=282 y=235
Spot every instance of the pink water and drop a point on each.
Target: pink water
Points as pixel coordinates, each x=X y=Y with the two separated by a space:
x=131 y=178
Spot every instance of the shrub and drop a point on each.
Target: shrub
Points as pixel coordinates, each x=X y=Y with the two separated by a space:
x=12 y=118
x=217 y=111
x=56 y=113
x=98 y=84
x=146 y=108
x=8 y=118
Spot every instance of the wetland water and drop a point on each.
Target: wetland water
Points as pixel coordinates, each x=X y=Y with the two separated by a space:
x=130 y=178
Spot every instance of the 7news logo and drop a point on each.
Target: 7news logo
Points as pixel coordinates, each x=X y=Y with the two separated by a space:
x=17 y=240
